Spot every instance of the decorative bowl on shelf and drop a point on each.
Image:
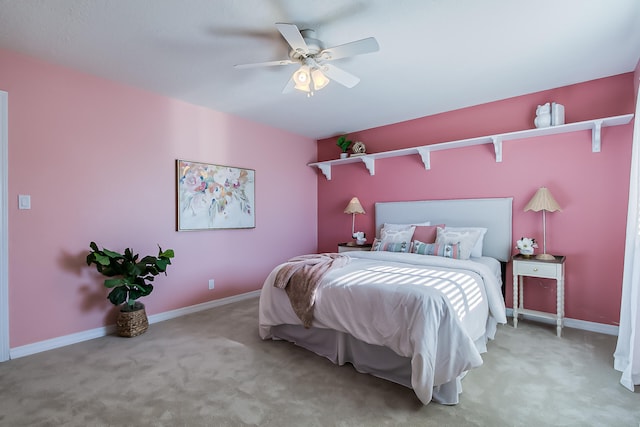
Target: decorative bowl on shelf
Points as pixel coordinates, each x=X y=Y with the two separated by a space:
x=358 y=149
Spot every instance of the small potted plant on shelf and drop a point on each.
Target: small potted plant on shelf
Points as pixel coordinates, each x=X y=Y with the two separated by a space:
x=344 y=145
x=128 y=278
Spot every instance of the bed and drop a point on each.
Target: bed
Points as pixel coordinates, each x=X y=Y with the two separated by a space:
x=418 y=320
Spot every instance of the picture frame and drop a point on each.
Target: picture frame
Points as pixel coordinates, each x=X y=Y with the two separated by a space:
x=213 y=197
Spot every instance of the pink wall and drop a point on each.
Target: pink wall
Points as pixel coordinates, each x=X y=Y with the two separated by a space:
x=592 y=188
x=98 y=160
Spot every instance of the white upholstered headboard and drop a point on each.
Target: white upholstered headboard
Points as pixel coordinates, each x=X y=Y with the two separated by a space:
x=494 y=214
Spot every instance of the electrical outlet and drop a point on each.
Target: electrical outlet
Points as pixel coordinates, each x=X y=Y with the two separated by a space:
x=211 y=283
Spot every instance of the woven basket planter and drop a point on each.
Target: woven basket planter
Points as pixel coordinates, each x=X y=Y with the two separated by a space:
x=132 y=323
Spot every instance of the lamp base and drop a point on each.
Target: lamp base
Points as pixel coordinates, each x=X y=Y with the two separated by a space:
x=545 y=257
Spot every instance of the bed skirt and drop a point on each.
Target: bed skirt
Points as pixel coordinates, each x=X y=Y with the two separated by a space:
x=379 y=361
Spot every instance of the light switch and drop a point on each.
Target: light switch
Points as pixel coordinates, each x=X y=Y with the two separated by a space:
x=24 y=201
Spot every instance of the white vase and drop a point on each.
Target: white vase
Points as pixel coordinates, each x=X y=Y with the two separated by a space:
x=526 y=251
x=344 y=155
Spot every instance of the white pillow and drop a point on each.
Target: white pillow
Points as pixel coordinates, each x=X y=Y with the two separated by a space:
x=477 y=248
x=394 y=226
x=466 y=239
x=397 y=234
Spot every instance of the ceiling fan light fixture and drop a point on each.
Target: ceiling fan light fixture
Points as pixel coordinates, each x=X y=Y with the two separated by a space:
x=302 y=88
x=302 y=78
x=319 y=79
x=308 y=79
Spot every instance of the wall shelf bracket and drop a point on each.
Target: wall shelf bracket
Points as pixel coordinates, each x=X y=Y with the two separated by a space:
x=425 y=154
x=596 y=136
x=497 y=146
x=370 y=163
x=326 y=170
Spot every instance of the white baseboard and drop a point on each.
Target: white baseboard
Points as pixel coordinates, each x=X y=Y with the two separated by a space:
x=53 y=343
x=160 y=317
x=574 y=323
x=29 y=349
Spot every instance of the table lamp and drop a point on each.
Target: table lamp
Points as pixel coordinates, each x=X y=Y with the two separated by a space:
x=354 y=207
x=543 y=201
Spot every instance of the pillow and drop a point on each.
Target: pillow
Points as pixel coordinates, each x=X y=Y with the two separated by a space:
x=426 y=233
x=392 y=226
x=467 y=239
x=396 y=234
x=448 y=251
x=389 y=246
x=477 y=248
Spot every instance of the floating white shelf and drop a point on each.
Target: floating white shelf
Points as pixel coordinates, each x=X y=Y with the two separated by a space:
x=424 y=151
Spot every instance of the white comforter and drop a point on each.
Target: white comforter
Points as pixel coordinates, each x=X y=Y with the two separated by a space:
x=431 y=309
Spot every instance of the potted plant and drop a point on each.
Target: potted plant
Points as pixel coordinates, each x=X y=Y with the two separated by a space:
x=344 y=145
x=128 y=278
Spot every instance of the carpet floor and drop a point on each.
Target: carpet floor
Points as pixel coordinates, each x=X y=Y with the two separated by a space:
x=212 y=369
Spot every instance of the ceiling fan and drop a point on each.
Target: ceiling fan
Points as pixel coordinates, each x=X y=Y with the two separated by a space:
x=315 y=72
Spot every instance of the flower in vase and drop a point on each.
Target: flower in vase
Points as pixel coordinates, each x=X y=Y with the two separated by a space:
x=526 y=245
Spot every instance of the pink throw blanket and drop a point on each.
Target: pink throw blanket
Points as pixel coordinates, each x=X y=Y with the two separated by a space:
x=300 y=277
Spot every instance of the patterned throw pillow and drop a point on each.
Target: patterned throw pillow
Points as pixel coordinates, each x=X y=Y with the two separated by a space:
x=466 y=239
x=446 y=251
x=390 y=246
x=477 y=248
x=397 y=235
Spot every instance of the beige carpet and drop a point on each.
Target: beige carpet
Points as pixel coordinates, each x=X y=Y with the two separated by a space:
x=212 y=369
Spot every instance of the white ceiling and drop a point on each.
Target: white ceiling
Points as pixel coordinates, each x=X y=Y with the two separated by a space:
x=435 y=55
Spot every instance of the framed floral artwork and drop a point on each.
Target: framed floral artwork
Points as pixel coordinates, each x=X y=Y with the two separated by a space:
x=214 y=197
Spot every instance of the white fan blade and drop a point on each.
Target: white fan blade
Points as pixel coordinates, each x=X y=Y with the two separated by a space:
x=289 y=87
x=292 y=35
x=340 y=76
x=266 y=64
x=358 y=47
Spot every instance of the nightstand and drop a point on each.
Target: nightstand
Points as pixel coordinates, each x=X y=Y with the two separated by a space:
x=532 y=267
x=352 y=246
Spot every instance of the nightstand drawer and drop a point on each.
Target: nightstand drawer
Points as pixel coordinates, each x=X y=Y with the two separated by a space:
x=536 y=269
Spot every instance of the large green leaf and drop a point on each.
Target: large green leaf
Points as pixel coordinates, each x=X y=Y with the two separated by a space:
x=111 y=270
x=162 y=264
x=132 y=269
x=118 y=295
x=140 y=291
x=166 y=254
x=102 y=259
x=114 y=283
x=111 y=254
